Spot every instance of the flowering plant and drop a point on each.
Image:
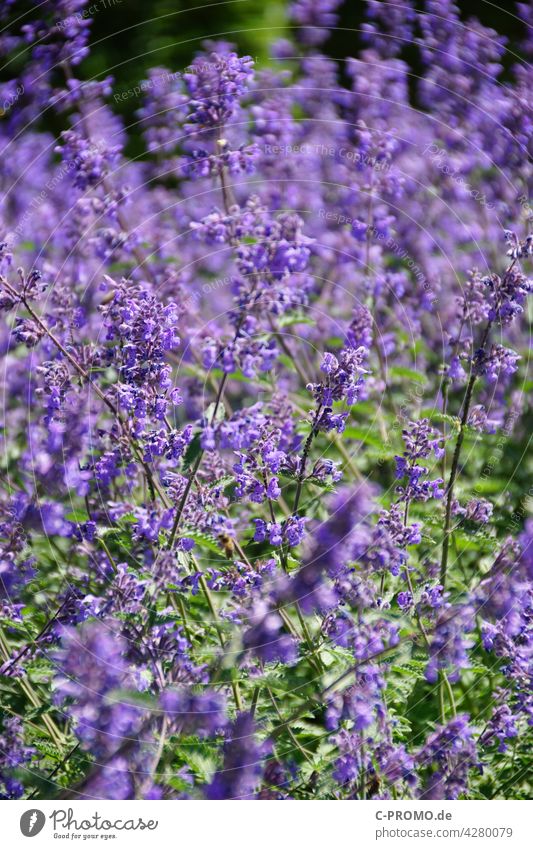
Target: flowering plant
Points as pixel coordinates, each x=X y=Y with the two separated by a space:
x=264 y=419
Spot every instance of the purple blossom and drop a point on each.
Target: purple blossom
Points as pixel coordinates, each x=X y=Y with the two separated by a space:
x=91 y=666
x=265 y=637
x=315 y=17
x=344 y=377
x=448 y=650
x=291 y=531
x=450 y=754
x=14 y=754
x=421 y=440
x=203 y=714
x=497 y=363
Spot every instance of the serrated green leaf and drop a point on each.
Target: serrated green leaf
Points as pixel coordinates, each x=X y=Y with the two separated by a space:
x=222 y=482
x=132 y=697
x=436 y=416
x=77 y=516
x=202 y=539
x=192 y=453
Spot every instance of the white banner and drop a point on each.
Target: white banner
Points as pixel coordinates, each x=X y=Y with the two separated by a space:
x=232 y=825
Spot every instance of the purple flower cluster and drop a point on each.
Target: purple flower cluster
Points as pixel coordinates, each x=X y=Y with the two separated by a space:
x=242 y=765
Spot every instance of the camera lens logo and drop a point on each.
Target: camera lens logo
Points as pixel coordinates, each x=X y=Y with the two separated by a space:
x=32 y=822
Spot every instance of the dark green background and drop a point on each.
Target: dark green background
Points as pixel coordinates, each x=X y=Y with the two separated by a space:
x=130 y=36
x=135 y=35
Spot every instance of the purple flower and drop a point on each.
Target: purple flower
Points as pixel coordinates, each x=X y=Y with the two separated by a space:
x=203 y=714
x=405 y=600
x=361 y=704
x=449 y=644
x=421 y=440
x=214 y=85
x=265 y=637
x=294 y=530
x=449 y=754
x=91 y=665
x=479 y=510
x=502 y=727
x=273 y=489
x=497 y=363
x=330 y=364
x=280 y=251
x=344 y=379
x=291 y=531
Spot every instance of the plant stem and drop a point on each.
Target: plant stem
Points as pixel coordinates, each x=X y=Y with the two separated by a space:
x=459 y=442
x=305 y=456
x=190 y=480
x=455 y=461
x=453 y=477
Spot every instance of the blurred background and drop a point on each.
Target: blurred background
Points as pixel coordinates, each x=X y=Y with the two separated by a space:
x=130 y=36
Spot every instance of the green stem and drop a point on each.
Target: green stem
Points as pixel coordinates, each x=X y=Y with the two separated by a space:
x=181 y=608
x=458 y=445
x=442 y=705
x=255 y=698
x=109 y=556
x=305 y=456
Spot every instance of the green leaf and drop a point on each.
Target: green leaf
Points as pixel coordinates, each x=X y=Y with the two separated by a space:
x=223 y=482
x=119 y=267
x=108 y=531
x=287 y=361
x=473 y=542
x=276 y=682
x=334 y=342
x=240 y=378
x=435 y=416
x=409 y=373
x=77 y=516
x=201 y=765
x=490 y=485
